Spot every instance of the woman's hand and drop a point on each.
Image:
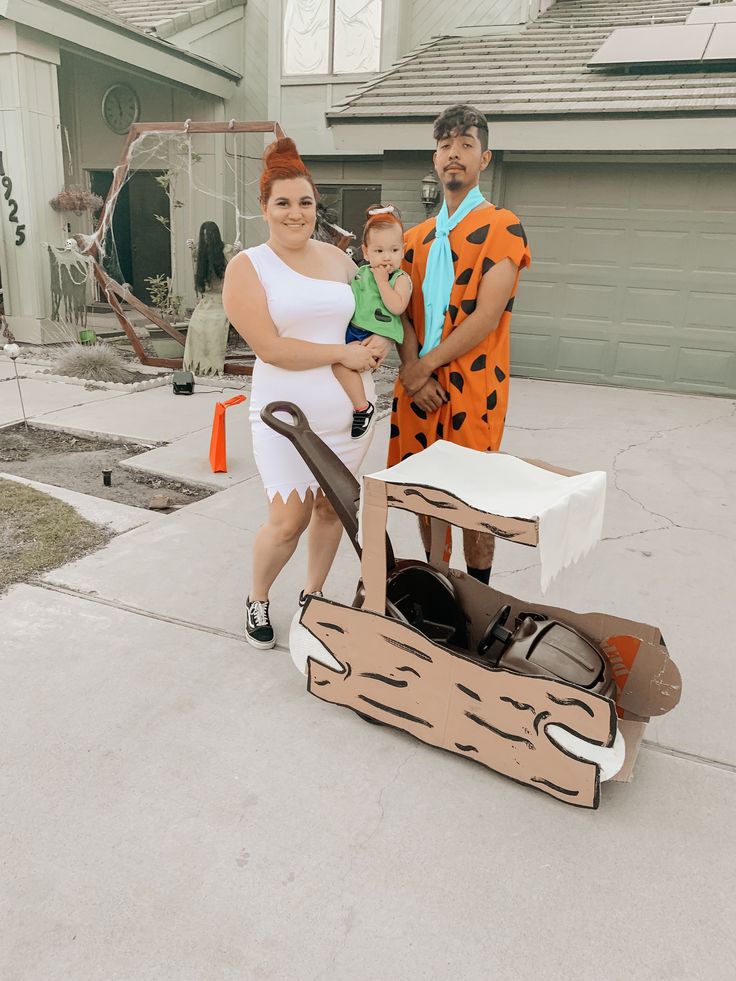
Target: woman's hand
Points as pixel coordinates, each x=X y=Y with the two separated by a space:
x=378 y=347
x=357 y=357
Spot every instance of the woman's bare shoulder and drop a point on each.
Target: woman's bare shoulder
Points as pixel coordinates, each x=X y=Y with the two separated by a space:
x=333 y=259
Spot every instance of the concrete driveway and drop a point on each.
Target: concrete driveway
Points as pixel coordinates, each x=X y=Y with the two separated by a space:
x=176 y=806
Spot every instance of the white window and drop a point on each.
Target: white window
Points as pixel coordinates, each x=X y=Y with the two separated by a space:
x=325 y=37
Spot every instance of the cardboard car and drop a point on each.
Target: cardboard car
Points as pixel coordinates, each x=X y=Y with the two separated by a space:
x=562 y=711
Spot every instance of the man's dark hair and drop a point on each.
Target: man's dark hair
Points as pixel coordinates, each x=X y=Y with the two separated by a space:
x=459 y=119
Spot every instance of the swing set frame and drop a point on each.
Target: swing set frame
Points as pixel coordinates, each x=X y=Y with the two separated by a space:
x=114 y=292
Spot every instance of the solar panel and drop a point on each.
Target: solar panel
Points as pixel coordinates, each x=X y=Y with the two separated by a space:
x=652 y=45
x=721 y=14
x=722 y=45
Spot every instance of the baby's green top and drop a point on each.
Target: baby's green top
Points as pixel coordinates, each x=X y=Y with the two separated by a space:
x=370 y=312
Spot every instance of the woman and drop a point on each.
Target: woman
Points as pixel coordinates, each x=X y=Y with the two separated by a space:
x=291 y=300
x=204 y=352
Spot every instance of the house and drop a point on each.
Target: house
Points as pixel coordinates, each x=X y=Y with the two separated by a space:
x=623 y=172
x=74 y=74
x=624 y=176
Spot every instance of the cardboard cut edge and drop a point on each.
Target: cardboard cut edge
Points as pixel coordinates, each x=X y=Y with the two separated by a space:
x=533 y=682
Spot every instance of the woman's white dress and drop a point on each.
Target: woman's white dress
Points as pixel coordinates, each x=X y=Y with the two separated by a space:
x=304 y=309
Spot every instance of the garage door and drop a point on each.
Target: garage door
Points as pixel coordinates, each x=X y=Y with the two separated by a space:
x=634 y=273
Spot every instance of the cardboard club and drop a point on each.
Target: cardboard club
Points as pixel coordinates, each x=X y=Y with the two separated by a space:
x=411 y=651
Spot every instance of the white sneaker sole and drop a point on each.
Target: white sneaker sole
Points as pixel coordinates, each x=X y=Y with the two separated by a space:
x=262 y=645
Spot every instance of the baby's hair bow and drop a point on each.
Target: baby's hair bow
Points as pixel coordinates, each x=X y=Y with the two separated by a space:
x=388 y=210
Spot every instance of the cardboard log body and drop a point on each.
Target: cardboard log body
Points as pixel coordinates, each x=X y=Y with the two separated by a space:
x=397 y=676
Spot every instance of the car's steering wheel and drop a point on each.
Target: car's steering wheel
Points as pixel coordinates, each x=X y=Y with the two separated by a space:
x=495 y=631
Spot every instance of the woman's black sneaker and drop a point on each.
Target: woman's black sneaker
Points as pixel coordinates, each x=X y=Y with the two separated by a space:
x=258 y=629
x=362 y=421
x=303 y=597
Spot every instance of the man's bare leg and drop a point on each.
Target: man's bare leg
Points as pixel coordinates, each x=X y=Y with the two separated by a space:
x=478 y=546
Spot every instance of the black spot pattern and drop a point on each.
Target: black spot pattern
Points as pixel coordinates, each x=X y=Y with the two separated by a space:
x=487 y=264
x=479 y=236
x=458 y=419
x=440 y=430
x=395 y=403
x=468 y=305
x=499 y=374
x=394 y=431
x=453 y=312
x=421 y=439
x=409 y=256
x=492 y=400
x=484 y=417
x=510 y=305
x=381 y=317
x=457 y=380
x=464 y=278
x=454 y=255
x=479 y=363
x=517 y=230
x=432 y=234
x=406 y=456
x=417 y=411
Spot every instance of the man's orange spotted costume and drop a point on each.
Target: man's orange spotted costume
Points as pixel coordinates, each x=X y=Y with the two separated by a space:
x=478 y=382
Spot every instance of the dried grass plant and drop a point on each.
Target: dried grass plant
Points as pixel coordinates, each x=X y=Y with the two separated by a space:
x=93 y=362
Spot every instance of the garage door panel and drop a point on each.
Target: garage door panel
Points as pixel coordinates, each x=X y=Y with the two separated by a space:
x=589 y=301
x=583 y=354
x=550 y=243
x=642 y=362
x=715 y=311
x=633 y=276
x=533 y=351
x=715 y=252
x=699 y=367
x=538 y=191
x=649 y=305
x=718 y=193
x=537 y=298
x=653 y=249
x=591 y=246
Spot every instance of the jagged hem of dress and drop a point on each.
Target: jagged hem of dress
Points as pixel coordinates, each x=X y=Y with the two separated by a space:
x=285 y=491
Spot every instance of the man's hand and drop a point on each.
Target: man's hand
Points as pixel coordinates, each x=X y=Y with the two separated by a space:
x=431 y=396
x=378 y=347
x=413 y=375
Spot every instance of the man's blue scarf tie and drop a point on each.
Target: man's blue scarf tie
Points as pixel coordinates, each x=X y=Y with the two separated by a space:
x=440 y=275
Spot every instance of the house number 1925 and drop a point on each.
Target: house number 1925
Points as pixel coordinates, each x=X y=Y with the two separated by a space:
x=7 y=184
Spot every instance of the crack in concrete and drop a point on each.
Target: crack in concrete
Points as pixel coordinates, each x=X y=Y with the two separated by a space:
x=671 y=523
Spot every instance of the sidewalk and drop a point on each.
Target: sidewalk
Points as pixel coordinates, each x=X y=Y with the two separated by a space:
x=179 y=807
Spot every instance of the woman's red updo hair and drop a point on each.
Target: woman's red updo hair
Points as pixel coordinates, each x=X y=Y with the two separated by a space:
x=381 y=216
x=281 y=162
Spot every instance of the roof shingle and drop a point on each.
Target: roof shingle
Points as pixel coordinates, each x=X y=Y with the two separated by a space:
x=542 y=70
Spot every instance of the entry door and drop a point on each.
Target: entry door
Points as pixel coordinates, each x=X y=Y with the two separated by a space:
x=150 y=239
x=140 y=245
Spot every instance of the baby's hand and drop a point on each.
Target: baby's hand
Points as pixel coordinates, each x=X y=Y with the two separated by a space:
x=381 y=274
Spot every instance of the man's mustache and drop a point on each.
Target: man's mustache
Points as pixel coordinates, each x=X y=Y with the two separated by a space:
x=454 y=167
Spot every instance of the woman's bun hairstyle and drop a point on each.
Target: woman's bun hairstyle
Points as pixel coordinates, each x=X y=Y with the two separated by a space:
x=281 y=161
x=381 y=216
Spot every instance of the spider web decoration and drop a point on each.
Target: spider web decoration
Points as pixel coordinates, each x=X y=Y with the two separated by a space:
x=204 y=179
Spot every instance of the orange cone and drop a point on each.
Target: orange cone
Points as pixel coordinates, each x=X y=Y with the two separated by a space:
x=218 y=453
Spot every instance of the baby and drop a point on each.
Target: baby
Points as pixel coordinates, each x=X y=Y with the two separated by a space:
x=382 y=291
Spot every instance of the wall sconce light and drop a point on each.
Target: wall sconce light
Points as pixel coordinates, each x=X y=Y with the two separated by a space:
x=430 y=191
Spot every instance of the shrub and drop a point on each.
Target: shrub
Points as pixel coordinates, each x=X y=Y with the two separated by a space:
x=95 y=362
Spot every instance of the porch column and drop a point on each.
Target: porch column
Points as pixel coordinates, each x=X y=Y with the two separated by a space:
x=32 y=161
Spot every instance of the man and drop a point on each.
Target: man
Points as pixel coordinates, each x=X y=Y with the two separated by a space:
x=464 y=265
